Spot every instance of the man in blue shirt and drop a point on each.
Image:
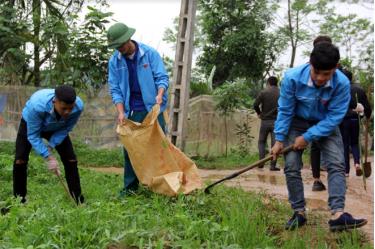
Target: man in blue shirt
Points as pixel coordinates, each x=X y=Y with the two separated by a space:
x=50 y=114
x=137 y=81
x=313 y=100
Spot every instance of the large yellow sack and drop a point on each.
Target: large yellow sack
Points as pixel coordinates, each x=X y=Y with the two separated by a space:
x=156 y=161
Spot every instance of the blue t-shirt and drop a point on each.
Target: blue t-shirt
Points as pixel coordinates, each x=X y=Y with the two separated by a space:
x=136 y=100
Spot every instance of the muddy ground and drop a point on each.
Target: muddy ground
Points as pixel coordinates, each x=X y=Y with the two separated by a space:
x=359 y=202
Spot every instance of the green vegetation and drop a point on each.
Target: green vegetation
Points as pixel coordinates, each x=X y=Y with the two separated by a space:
x=87 y=156
x=227 y=218
x=232 y=161
x=91 y=157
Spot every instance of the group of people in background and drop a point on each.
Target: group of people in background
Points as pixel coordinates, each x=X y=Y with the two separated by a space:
x=265 y=106
x=318 y=104
x=314 y=102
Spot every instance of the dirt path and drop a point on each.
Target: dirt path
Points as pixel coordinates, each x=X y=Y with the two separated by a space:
x=359 y=202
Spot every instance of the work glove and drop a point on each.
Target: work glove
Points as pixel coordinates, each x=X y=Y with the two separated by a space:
x=53 y=165
x=359 y=109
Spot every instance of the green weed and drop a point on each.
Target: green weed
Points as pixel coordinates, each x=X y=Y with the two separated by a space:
x=227 y=218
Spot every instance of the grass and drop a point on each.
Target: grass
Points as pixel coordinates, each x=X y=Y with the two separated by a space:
x=86 y=155
x=227 y=218
x=92 y=157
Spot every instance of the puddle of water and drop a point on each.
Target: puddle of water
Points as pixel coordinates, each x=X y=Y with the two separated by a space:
x=268 y=179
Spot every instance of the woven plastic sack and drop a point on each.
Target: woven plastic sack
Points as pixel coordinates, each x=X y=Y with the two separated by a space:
x=155 y=160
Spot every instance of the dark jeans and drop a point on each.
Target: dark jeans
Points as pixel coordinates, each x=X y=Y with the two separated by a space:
x=315 y=159
x=350 y=133
x=266 y=127
x=130 y=179
x=332 y=151
x=67 y=156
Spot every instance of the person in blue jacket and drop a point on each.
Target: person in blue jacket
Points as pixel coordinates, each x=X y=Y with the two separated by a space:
x=50 y=114
x=137 y=81
x=314 y=98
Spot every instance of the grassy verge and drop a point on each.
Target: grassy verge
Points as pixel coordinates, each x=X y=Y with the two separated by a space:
x=92 y=157
x=227 y=218
x=233 y=160
x=86 y=155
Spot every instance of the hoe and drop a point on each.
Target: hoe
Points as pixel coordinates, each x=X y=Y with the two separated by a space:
x=260 y=162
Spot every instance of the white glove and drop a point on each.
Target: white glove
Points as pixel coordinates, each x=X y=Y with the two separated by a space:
x=359 y=109
x=53 y=165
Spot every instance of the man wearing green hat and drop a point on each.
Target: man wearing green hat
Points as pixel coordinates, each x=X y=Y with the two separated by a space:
x=137 y=81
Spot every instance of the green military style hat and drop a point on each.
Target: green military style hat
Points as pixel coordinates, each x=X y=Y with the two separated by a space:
x=118 y=34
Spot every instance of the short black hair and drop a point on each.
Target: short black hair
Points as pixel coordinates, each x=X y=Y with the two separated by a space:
x=322 y=38
x=324 y=56
x=272 y=81
x=347 y=73
x=66 y=94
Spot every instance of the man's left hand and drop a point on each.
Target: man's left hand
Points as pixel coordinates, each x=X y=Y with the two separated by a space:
x=300 y=143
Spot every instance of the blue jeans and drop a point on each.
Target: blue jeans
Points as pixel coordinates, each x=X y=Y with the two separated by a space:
x=331 y=148
x=130 y=179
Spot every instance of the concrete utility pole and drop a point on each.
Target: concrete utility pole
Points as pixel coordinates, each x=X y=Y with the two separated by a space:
x=181 y=74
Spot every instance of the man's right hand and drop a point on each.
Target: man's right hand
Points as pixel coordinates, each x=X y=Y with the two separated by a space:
x=120 y=118
x=53 y=165
x=276 y=149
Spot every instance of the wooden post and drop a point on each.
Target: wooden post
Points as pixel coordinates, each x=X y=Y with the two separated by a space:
x=178 y=108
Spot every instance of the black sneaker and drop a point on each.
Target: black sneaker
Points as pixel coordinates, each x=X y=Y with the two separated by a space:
x=296 y=221
x=345 y=222
x=318 y=186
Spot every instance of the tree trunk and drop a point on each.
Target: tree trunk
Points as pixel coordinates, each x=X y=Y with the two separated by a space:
x=226 y=135
x=291 y=35
x=293 y=56
x=36 y=22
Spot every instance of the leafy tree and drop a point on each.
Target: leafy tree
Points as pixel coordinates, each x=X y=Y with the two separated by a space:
x=13 y=31
x=355 y=36
x=61 y=52
x=230 y=97
x=347 y=31
x=42 y=13
x=235 y=40
x=297 y=28
x=86 y=55
x=243 y=133
x=170 y=34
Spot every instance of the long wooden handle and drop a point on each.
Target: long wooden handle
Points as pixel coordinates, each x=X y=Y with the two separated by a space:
x=66 y=190
x=366 y=139
x=257 y=163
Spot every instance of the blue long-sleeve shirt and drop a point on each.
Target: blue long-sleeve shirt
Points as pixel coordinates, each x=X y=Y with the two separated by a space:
x=151 y=77
x=325 y=105
x=40 y=117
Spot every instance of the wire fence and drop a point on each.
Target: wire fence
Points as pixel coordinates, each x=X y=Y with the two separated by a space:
x=206 y=133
